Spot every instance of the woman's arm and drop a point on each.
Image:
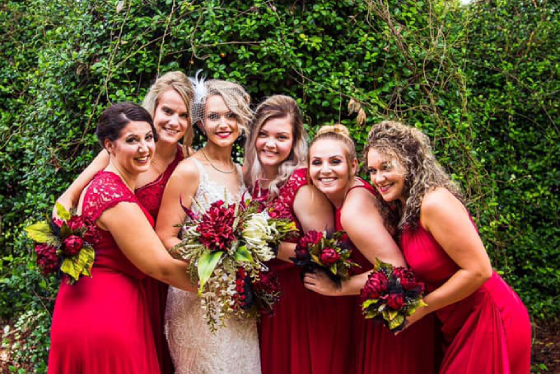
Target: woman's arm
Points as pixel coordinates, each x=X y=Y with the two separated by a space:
x=180 y=188
x=364 y=225
x=445 y=217
x=313 y=211
x=70 y=197
x=137 y=240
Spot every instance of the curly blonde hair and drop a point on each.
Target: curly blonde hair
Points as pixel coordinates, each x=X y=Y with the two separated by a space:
x=276 y=106
x=179 y=82
x=423 y=173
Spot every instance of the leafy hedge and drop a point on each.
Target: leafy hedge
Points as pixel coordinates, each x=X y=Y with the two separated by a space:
x=480 y=80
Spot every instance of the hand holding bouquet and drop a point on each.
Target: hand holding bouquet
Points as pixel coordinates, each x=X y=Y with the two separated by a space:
x=64 y=244
x=328 y=252
x=226 y=248
x=391 y=293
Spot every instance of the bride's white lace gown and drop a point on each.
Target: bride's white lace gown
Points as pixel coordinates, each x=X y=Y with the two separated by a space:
x=233 y=349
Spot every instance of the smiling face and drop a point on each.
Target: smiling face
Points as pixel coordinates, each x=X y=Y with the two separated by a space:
x=387 y=175
x=274 y=142
x=171 y=117
x=133 y=150
x=329 y=167
x=219 y=122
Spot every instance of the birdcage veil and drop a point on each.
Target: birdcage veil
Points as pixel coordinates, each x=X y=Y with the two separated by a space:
x=233 y=94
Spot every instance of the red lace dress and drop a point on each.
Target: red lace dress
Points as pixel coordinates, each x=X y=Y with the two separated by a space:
x=487 y=332
x=150 y=197
x=101 y=324
x=377 y=349
x=308 y=333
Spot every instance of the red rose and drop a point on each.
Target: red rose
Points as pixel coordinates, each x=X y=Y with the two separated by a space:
x=395 y=301
x=306 y=242
x=47 y=259
x=72 y=245
x=329 y=256
x=375 y=286
x=407 y=279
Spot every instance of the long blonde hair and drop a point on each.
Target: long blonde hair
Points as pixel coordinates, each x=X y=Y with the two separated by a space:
x=411 y=148
x=277 y=106
x=182 y=85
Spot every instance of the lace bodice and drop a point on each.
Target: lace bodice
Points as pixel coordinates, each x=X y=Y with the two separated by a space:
x=282 y=206
x=105 y=191
x=233 y=349
x=209 y=191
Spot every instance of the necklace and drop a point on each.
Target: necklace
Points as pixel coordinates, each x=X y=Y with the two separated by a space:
x=215 y=167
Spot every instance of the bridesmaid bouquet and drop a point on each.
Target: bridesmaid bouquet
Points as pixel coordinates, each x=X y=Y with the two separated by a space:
x=328 y=252
x=226 y=248
x=391 y=293
x=64 y=245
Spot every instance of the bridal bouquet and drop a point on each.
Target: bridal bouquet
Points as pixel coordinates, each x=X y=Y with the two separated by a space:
x=226 y=248
x=64 y=245
x=328 y=252
x=391 y=293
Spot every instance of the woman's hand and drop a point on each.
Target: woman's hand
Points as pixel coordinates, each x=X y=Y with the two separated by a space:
x=420 y=313
x=320 y=283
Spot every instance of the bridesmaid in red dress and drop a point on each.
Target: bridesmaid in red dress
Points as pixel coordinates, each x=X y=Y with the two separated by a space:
x=308 y=333
x=101 y=324
x=168 y=101
x=332 y=167
x=485 y=326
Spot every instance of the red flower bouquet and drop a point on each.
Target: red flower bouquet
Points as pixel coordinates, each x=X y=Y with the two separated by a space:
x=328 y=252
x=226 y=248
x=391 y=293
x=64 y=245
x=256 y=296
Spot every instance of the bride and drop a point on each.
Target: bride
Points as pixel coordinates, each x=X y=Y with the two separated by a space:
x=221 y=110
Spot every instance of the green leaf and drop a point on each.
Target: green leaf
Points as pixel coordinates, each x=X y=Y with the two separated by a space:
x=206 y=265
x=80 y=264
x=62 y=212
x=40 y=232
x=242 y=254
x=396 y=321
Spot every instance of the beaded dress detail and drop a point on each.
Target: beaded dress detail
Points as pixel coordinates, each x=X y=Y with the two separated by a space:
x=232 y=349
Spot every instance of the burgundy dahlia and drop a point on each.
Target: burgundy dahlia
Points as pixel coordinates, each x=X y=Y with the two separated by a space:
x=47 y=258
x=216 y=226
x=329 y=256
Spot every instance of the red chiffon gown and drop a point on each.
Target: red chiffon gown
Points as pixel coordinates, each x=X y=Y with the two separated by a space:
x=377 y=349
x=101 y=324
x=150 y=197
x=487 y=332
x=308 y=333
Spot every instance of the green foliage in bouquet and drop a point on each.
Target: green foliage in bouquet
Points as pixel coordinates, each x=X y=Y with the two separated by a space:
x=218 y=242
x=64 y=242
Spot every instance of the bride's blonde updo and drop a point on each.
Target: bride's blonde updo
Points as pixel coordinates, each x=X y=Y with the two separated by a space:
x=340 y=133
